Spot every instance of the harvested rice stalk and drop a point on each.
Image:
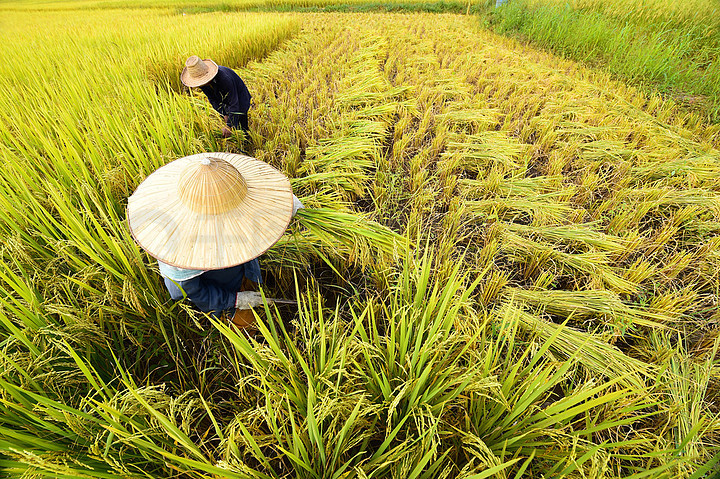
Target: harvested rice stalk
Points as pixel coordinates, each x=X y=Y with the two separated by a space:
x=365 y=239
x=491 y=148
x=477 y=119
x=578 y=233
x=495 y=183
x=583 y=305
x=677 y=263
x=675 y=303
x=696 y=170
x=593 y=264
x=490 y=288
x=541 y=208
x=640 y=270
x=658 y=197
x=591 y=350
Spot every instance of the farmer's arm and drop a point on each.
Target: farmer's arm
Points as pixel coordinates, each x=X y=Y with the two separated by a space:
x=234 y=110
x=237 y=100
x=215 y=98
x=226 y=132
x=232 y=120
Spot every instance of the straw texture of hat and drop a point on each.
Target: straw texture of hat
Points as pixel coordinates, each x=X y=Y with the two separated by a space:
x=198 y=72
x=210 y=211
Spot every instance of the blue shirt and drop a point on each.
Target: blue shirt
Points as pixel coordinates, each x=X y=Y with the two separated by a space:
x=214 y=291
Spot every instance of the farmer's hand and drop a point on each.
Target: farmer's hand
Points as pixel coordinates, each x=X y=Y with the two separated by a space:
x=226 y=132
x=248 y=299
x=296 y=205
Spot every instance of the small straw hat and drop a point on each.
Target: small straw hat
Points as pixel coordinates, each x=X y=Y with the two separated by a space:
x=210 y=211
x=198 y=72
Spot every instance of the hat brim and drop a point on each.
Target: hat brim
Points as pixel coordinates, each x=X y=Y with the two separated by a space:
x=195 y=81
x=174 y=234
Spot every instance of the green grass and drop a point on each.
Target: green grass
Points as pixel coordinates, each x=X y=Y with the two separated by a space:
x=676 y=55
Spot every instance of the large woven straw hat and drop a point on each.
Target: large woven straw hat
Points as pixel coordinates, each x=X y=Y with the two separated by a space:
x=210 y=211
x=198 y=72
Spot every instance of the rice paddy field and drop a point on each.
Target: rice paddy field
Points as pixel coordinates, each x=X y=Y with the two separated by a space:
x=508 y=265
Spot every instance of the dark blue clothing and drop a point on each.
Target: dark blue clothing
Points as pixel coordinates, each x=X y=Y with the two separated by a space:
x=229 y=96
x=215 y=291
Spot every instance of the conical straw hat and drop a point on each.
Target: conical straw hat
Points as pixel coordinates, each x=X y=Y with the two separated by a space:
x=198 y=72
x=210 y=211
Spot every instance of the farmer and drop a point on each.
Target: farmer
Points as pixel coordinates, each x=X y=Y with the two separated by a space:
x=206 y=218
x=226 y=91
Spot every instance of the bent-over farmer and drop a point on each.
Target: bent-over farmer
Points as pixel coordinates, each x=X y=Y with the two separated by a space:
x=206 y=218
x=226 y=91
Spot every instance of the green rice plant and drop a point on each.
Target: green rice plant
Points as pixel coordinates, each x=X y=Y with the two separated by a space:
x=132 y=432
x=401 y=357
x=321 y=430
x=515 y=425
x=653 y=10
x=685 y=382
x=302 y=418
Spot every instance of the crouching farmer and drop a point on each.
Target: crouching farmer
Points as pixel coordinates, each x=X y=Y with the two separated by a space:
x=206 y=218
x=225 y=90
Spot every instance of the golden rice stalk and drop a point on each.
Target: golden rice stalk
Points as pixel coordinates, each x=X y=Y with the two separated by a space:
x=490 y=288
x=592 y=264
x=660 y=239
x=640 y=270
x=540 y=209
x=675 y=303
x=592 y=304
x=577 y=234
x=495 y=182
x=480 y=119
x=626 y=218
x=477 y=152
x=592 y=352
x=696 y=170
x=367 y=240
x=659 y=197
x=677 y=263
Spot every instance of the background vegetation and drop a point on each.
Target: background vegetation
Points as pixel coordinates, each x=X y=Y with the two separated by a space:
x=661 y=45
x=508 y=264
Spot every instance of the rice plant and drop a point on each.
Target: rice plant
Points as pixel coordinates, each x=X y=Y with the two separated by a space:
x=506 y=266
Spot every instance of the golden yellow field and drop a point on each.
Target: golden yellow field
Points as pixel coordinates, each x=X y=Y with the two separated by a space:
x=507 y=265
